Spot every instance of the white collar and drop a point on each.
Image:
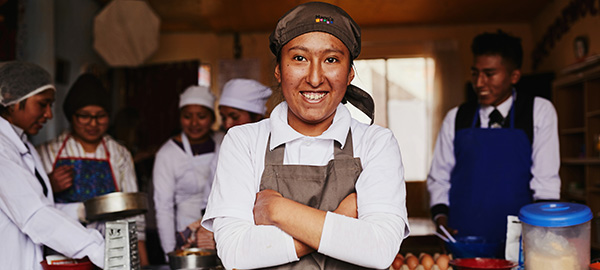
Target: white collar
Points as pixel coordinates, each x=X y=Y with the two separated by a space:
x=15 y=134
x=504 y=107
x=282 y=133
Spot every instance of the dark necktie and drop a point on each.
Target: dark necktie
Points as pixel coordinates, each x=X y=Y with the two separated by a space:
x=496 y=119
x=38 y=176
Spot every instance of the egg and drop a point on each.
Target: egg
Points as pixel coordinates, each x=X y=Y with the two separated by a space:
x=426 y=261
x=411 y=261
x=442 y=261
x=398 y=262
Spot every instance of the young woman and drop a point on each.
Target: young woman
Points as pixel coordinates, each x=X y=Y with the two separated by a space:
x=243 y=101
x=310 y=188
x=182 y=175
x=28 y=219
x=84 y=161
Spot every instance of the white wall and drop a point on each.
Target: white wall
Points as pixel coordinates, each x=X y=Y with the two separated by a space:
x=67 y=35
x=35 y=43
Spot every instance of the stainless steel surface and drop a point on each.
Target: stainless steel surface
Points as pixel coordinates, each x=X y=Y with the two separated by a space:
x=116 y=205
x=121 y=250
x=179 y=259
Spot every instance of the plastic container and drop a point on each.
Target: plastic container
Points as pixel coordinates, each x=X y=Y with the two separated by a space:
x=474 y=246
x=556 y=236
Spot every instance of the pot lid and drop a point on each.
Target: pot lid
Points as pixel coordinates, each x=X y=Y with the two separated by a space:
x=555 y=214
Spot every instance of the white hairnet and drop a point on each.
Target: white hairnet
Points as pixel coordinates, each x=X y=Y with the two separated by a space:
x=245 y=94
x=20 y=80
x=197 y=95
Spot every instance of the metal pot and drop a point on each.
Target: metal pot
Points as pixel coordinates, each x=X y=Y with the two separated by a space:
x=116 y=205
x=193 y=258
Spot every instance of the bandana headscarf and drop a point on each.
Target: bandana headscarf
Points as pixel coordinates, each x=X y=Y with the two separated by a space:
x=324 y=17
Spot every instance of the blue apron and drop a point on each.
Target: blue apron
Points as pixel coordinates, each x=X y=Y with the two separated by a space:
x=490 y=179
x=91 y=177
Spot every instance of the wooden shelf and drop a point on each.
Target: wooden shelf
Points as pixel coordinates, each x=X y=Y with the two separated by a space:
x=577 y=102
x=577 y=77
x=593 y=113
x=580 y=161
x=574 y=196
x=572 y=131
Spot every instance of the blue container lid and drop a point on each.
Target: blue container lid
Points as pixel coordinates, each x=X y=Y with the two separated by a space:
x=555 y=214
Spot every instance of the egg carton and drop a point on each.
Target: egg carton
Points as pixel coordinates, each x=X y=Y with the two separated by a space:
x=420 y=263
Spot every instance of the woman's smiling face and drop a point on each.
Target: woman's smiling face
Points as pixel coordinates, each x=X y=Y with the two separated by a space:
x=314 y=71
x=196 y=121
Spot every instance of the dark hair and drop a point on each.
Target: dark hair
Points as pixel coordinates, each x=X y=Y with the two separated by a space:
x=499 y=43
x=255 y=116
x=4 y=109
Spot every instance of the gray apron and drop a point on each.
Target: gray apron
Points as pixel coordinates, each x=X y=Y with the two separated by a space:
x=320 y=187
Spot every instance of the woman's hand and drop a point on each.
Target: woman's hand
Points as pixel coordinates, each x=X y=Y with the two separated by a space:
x=205 y=238
x=61 y=178
x=200 y=237
x=265 y=201
x=194 y=226
x=348 y=206
x=263 y=207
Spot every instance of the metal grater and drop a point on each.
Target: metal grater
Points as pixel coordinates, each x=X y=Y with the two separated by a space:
x=121 y=250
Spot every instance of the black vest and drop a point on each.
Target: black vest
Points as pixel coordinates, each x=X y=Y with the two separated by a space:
x=523 y=115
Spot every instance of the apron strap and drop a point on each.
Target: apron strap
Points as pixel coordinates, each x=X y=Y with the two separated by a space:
x=274 y=157
x=62 y=146
x=348 y=150
x=186 y=145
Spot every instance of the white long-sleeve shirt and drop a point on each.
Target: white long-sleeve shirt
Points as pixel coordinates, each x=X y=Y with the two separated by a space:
x=121 y=164
x=181 y=192
x=28 y=219
x=372 y=240
x=545 y=152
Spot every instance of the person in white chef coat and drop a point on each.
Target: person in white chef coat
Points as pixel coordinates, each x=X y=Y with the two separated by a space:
x=28 y=218
x=84 y=162
x=310 y=187
x=182 y=174
x=243 y=101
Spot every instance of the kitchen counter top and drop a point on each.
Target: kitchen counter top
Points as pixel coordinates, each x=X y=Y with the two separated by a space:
x=430 y=244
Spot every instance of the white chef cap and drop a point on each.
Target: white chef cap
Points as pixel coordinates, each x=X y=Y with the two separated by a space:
x=245 y=94
x=197 y=95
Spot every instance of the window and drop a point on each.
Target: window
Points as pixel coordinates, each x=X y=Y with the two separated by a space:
x=402 y=89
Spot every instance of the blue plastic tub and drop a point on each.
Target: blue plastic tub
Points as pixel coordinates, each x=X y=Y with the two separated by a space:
x=473 y=246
